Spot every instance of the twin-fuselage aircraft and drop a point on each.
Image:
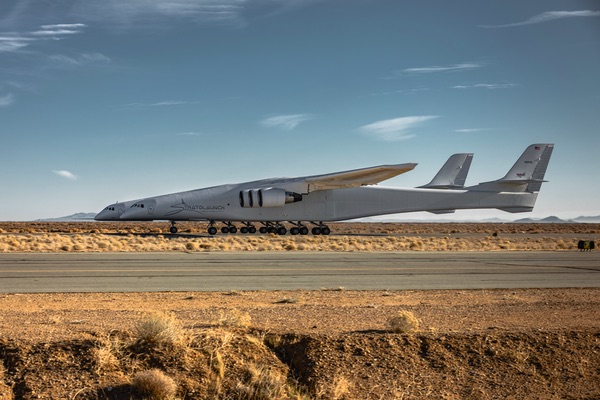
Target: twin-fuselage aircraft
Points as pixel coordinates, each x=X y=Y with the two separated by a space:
x=316 y=200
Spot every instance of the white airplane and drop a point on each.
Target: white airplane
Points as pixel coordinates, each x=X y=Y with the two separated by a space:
x=340 y=196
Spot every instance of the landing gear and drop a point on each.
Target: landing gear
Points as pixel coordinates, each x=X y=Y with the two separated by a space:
x=211 y=228
x=173 y=229
x=248 y=228
x=276 y=228
x=320 y=229
x=299 y=228
x=230 y=228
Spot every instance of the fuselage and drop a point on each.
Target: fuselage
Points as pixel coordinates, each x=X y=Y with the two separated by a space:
x=222 y=203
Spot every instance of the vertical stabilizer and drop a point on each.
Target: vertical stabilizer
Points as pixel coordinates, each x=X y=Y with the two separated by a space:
x=526 y=175
x=453 y=173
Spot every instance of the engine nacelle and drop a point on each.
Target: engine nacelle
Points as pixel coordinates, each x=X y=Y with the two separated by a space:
x=271 y=197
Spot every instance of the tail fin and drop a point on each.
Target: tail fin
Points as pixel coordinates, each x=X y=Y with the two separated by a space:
x=453 y=173
x=526 y=175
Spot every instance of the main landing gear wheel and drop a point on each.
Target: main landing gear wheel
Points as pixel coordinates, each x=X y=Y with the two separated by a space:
x=248 y=228
x=212 y=230
x=321 y=230
x=173 y=229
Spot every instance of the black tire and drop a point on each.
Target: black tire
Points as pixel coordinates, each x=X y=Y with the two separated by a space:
x=304 y=230
x=263 y=229
x=316 y=230
x=224 y=229
x=281 y=230
x=243 y=229
x=173 y=230
x=212 y=230
x=294 y=231
x=252 y=230
x=233 y=229
x=325 y=230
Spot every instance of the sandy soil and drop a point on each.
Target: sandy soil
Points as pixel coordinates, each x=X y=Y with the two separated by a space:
x=328 y=344
x=149 y=237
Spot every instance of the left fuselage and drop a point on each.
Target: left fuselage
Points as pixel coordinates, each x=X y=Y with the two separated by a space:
x=222 y=203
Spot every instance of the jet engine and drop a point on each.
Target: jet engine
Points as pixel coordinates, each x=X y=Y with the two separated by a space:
x=271 y=197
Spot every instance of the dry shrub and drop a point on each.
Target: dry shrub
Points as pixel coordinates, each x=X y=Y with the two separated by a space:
x=403 y=322
x=107 y=354
x=155 y=385
x=235 y=318
x=159 y=329
x=335 y=390
x=262 y=383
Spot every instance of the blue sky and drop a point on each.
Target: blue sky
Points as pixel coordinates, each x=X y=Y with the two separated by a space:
x=114 y=100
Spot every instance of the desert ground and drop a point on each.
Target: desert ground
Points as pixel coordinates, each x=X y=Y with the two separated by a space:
x=325 y=344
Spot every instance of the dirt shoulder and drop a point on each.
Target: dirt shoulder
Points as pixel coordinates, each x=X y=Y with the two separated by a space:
x=60 y=316
x=538 y=343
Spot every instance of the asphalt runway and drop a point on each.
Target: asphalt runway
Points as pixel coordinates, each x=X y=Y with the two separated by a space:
x=145 y=272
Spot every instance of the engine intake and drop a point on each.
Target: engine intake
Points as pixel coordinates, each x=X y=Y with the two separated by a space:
x=271 y=197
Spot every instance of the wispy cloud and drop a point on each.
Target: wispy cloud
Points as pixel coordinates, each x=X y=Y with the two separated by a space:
x=128 y=14
x=143 y=14
x=471 y=130
x=65 y=174
x=7 y=100
x=14 y=41
x=188 y=134
x=395 y=129
x=79 y=60
x=548 y=16
x=491 y=86
x=59 y=29
x=445 y=68
x=287 y=122
x=402 y=91
x=166 y=103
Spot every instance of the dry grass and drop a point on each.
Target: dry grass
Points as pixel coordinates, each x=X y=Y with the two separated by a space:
x=403 y=322
x=159 y=329
x=262 y=383
x=155 y=385
x=235 y=318
x=339 y=388
x=120 y=237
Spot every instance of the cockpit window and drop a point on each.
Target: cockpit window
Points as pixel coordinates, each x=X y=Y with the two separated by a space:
x=138 y=205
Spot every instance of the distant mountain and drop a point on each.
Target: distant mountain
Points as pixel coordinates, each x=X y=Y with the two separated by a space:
x=595 y=219
x=81 y=216
x=548 y=220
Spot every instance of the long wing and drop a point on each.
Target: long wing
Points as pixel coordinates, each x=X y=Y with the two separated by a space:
x=357 y=177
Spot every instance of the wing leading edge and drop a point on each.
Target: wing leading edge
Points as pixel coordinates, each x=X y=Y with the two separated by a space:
x=356 y=177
